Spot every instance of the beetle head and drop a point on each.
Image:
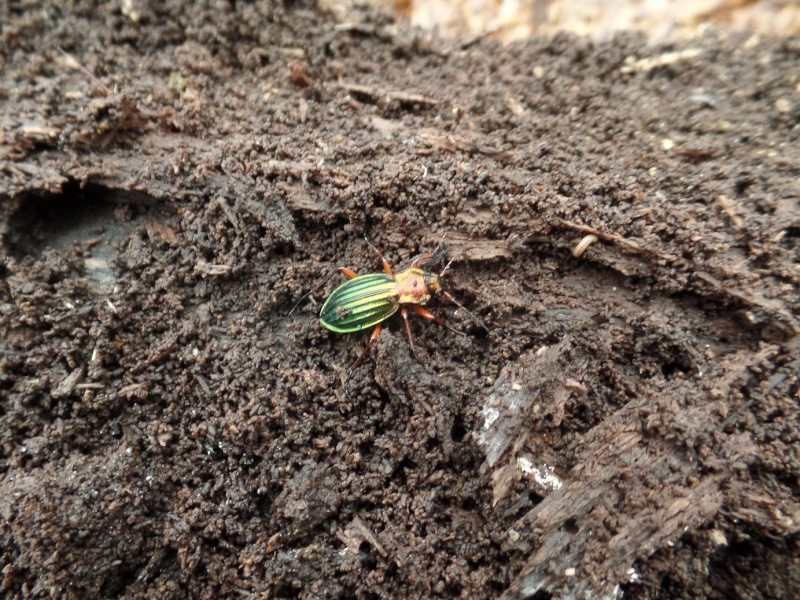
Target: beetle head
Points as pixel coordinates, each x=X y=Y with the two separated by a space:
x=435 y=283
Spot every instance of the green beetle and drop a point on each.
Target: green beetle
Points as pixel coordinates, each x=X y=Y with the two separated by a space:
x=367 y=300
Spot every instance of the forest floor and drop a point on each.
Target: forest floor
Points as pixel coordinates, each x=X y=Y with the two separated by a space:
x=172 y=181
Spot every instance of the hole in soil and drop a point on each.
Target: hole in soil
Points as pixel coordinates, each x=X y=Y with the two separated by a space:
x=399 y=474
x=669 y=369
x=534 y=499
x=368 y=559
x=458 y=430
x=454 y=589
x=365 y=448
x=571 y=526
x=791 y=239
x=56 y=221
x=286 y=590
x=96 y=217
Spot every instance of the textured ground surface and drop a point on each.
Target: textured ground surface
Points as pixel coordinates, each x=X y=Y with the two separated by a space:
x=172 y=182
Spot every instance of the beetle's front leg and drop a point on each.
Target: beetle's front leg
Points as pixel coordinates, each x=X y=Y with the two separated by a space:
x=428 y=315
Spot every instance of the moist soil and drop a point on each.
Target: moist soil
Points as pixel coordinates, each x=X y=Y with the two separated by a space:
x=623 y=219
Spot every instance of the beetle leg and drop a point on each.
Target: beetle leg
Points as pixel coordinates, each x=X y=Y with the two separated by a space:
x=386 y=266
x=449 y=296
x=372 y=339
x=404 y=312
x=343 y=270
x=346 y=272
x=426 y=314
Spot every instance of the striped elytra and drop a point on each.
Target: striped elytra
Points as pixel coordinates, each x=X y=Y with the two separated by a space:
x=361 y=302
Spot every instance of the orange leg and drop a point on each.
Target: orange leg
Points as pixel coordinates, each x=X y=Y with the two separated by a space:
x=343 y=270
x=422 y=312
x=386 y=267
x=372 y=339
x=426 y=314
x=404 y=312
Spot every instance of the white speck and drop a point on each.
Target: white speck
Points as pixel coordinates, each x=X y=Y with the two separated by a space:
x=128 y=450
x=718 y=537
x=111 y=306
x=633 y=576
x=195 y=351
x=667 y=144
x=513 y=535
x=524 y=465
x=490 y=415
x=544 y=476
x=570 y=572
x=516 y=387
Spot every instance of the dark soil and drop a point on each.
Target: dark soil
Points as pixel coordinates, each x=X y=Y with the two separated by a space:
x=172 y=180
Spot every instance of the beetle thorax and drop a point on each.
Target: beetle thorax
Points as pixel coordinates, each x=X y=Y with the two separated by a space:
x=415 y=287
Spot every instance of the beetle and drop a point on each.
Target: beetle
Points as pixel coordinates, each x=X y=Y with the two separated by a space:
x=365 y=301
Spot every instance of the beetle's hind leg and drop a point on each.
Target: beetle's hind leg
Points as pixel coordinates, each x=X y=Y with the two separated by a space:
x=386 y=266
x=372 y=339
x=343 y=270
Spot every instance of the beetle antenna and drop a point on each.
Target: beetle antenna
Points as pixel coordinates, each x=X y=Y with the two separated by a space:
x=449 y=296
x=366 y=239
x=447 y=266
x=296 y=304
x=439 y=245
